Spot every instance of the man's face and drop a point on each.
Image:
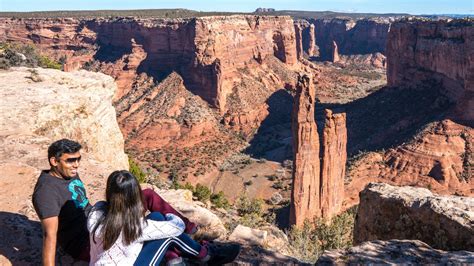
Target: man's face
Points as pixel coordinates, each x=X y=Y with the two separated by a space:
x=66 y=166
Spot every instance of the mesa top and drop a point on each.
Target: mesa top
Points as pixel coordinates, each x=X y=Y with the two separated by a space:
x=67 y=199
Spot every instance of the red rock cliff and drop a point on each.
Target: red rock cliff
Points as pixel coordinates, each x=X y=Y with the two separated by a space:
x=423 y=52
x=365 y=36
x=241 y=59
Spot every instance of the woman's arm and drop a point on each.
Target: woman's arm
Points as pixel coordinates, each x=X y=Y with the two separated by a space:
x=95 y=215
x=173 y=226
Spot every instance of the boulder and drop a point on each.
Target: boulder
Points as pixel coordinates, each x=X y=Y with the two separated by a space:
x=210 y=226
x=395 y=252
x=249 y=236
x=388 y=212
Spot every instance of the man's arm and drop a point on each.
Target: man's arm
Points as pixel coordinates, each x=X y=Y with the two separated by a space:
x=50 y=230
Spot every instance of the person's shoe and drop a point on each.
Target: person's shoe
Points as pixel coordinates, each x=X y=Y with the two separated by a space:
x=222 y=254
x=176 y=262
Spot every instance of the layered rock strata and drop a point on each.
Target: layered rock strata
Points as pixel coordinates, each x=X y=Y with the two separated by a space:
x=219 y=58
x=435 y=52
x=318 y=183
x=387 y=212
x=439 y=158
x=366 y=36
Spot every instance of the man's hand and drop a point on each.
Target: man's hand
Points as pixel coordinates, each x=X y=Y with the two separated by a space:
x=50 y=230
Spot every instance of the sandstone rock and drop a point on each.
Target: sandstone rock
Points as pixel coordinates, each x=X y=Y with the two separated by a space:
x=311 y=50
x=377 y=60
x=395 y=252
x=387 y=212
x=334 y=53
x=76 y=105
x=305 y=201
x=210 y=226
x=435 y=52
x=299 y=41
x=365 y=36
x=248 y=236
x=333 y=164
x=305 y=40
x=439 y=158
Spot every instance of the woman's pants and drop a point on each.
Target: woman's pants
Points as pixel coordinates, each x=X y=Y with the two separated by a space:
x=153 y=251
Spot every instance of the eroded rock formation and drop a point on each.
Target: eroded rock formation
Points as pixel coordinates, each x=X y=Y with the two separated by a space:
x=364 y=36
x=305 y=202
x=387 y=212
x=305 y=39
x=435 y=52
x=333 y=169
x=440 y=158
x=334 y=53
x=318 y=190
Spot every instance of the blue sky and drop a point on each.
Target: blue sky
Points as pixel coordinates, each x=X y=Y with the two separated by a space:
x=373 y=6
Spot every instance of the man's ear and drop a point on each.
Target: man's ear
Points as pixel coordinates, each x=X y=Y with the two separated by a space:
x=53 y=161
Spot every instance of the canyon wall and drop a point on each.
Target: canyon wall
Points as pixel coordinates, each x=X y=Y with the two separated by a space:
x=318 y=183
x=235 y=63
x=366 y=36
x=206 y=51
x=435 y=52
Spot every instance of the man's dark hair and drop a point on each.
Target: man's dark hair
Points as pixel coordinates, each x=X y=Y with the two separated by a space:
x=59 y=147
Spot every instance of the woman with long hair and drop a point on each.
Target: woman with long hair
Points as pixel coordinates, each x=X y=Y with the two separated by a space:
x=120 y=234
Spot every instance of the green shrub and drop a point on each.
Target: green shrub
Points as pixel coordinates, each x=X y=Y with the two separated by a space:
x=202 y=192
x=24 y=55
x=219 y=200
x=249 y=206
x=46 y=62
x=310 y=241
x=136 y=170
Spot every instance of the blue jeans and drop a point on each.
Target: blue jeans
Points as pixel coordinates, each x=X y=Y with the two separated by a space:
x=153 y=251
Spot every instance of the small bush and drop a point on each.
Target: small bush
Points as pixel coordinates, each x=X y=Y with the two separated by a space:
x=249 y=206
x=4 y=63
x=24 y=55
x=136 y=170
x=219 y=200
x=202 y=192
x=48 y=63
x=310 y=241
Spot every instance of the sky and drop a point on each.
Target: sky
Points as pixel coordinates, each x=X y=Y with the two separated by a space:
x=414 y=7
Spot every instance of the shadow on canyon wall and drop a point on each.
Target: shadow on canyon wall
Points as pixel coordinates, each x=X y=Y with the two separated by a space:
x=384 y=119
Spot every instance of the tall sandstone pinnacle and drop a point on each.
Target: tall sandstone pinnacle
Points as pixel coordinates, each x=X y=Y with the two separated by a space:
x=333 y=163
x=306 y=166
x=299 y=41
x=318 y=186
x=312 y=41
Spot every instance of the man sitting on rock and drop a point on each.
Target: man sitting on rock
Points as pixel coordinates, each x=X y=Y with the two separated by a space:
x=61 y=203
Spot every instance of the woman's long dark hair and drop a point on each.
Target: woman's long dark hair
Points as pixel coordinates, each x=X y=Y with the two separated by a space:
x=124 y=209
